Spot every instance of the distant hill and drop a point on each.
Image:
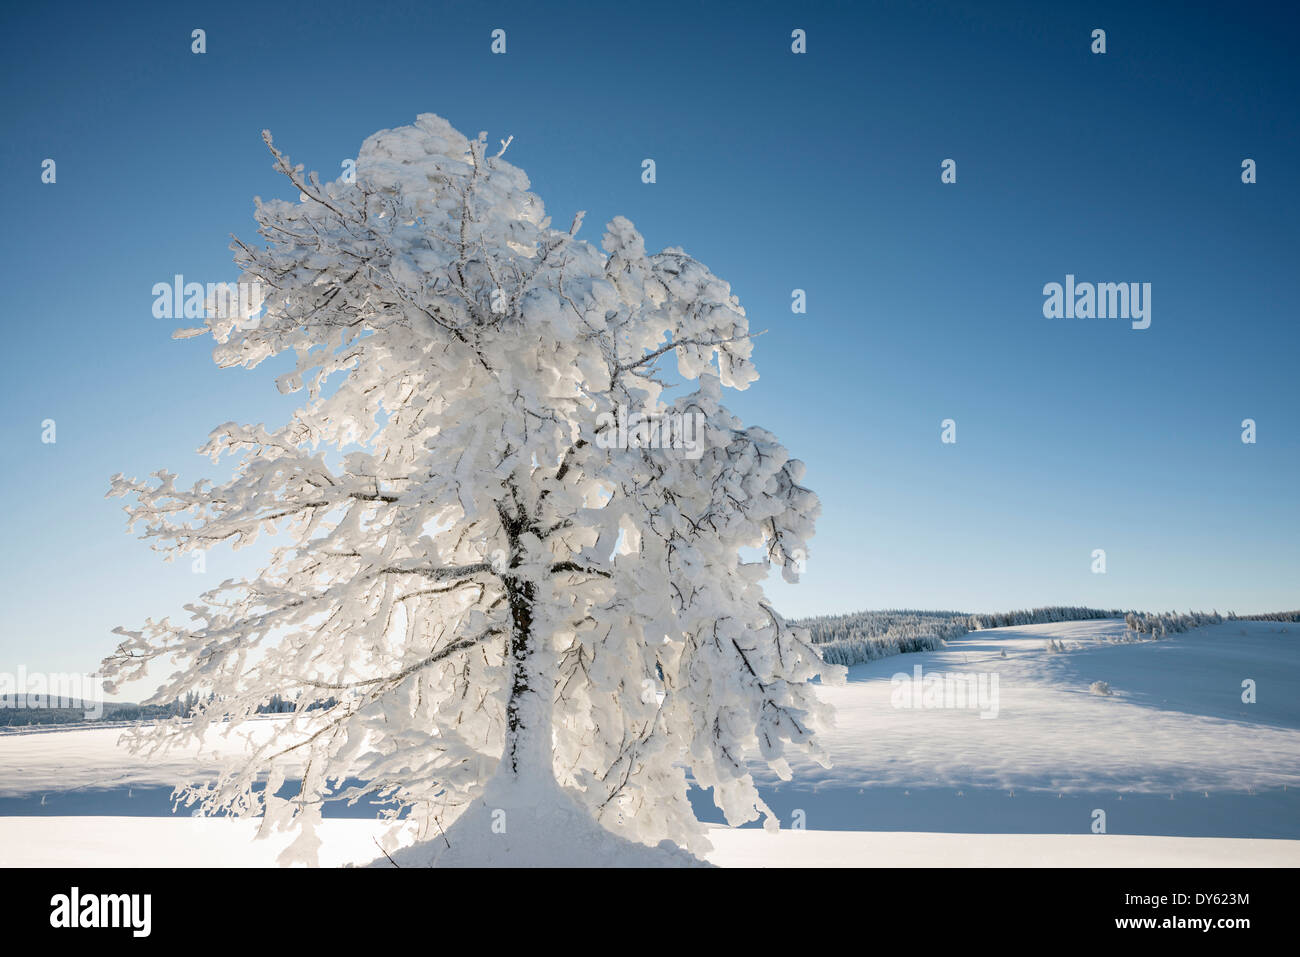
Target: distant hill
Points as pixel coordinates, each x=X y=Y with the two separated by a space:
x=860 y=636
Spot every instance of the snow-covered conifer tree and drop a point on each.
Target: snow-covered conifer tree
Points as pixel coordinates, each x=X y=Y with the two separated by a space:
x=486 y=593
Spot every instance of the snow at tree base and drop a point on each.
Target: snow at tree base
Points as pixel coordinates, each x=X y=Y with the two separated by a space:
x=515 y=621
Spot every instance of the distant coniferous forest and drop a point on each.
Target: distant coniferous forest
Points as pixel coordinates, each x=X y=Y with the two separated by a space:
x=20 y=711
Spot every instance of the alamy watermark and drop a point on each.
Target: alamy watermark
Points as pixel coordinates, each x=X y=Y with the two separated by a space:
x=974 y=691
x=1103 y=300
x=47 y=690
x=179 y=299
x=76 y=908
x=651 y=430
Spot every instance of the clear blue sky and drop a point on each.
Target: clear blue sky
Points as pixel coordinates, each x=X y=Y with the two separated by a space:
x=779 y=171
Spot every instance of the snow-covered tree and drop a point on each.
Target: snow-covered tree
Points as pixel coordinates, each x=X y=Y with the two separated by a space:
x=483 y=598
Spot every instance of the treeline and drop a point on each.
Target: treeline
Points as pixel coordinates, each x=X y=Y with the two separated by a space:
x=867 y=635
x=1169 y=622
x=901 y=623
x=22 y=715
x=1041 y=616
x=18 y=711
x=1271 y=616
x=279 y=704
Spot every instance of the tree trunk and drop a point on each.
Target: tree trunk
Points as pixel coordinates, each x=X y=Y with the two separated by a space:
x=530 y=711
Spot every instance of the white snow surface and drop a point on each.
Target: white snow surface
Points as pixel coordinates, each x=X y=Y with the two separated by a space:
x=1175 y=721
x=536 y=825
x=194 y=842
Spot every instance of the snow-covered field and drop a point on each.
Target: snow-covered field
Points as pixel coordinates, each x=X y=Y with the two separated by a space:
x=190 y=842
x=1184 y=771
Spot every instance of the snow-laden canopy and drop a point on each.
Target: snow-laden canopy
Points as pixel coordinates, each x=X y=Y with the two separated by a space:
x=473 y=578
